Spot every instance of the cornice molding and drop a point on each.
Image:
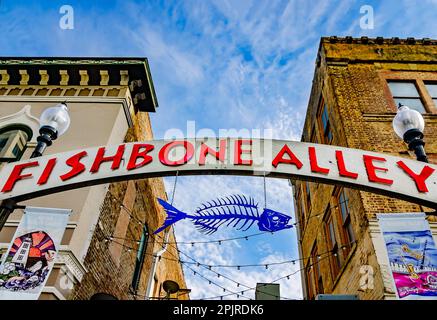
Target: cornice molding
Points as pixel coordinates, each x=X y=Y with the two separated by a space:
x=133 y=73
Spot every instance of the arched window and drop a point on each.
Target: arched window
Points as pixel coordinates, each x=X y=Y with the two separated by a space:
x=13 y=141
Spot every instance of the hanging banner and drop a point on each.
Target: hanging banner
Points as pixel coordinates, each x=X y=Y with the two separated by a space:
x=412 y=255
x=27 y=263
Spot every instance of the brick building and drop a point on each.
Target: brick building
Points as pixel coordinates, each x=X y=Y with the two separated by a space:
x=106 y=248
x=356 y=87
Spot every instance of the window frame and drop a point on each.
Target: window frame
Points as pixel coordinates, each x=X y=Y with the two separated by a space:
x=301 y=208
x=307 y=198
x=317 y=272
x=15 y=138
x=344 y=223
x=320 y=112
x=420 y=78
x=415 y=84
x=335 y=263
x=431 y=82
x=309 y=275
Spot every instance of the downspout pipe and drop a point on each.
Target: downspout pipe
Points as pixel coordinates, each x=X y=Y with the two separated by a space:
x=155 y=261
x=159 y=253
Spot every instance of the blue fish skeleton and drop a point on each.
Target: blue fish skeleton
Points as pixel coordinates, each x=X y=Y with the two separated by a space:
x=237 y=210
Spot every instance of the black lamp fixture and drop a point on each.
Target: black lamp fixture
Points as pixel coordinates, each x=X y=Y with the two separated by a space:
x=54 y=122
x=409 y=126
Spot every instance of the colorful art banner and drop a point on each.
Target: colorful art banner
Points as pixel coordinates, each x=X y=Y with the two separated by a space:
x=30 y=257
x=412 y=255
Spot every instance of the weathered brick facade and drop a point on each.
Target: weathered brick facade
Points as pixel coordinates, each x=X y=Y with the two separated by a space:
x=351 y=80
x=113 y=275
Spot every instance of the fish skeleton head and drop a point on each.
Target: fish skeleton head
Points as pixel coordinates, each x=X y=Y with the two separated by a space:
x=273 y=221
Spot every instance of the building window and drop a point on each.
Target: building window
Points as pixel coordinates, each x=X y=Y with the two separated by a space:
x=307 y=197
x=331 y=240
x=142 y=247
x=313 y=136
x=13 y=142
x=324 y=123
x=432 y=90
x=316 y=272
x=406 y=93
x=300 y=209
x=345 y=223
x=309 y=270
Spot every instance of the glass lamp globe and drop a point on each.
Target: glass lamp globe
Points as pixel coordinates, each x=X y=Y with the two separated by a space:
x=407 y=119
x=56 y=117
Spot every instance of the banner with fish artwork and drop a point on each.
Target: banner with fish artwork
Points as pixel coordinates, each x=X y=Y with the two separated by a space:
x=236 y=211
x=27 y=263
x=412 y=255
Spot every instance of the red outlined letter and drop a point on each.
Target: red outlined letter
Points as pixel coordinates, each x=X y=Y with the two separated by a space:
x=47 y=171
x=136 y=153
x=239 y=151
x=116 y=159
x=342 y=167
x=219 y=155
x=313 y=162
x=419 y=179
x=75 y=164
x=165 y=150
x=16 y=175
x=371 y=170
x=292 y=158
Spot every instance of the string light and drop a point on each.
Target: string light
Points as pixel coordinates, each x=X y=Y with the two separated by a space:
x=238 y=267
x=249 y=288
x=276 y=280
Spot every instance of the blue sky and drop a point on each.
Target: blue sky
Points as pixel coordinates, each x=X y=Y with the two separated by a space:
x=224 y=64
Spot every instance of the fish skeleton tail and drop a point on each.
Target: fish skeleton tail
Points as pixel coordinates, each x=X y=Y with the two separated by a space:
x=173 y=215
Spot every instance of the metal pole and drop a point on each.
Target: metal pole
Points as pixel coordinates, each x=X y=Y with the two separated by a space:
x=9 y=205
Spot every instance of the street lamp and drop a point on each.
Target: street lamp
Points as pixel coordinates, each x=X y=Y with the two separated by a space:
x=54 y=122
x=409 y=126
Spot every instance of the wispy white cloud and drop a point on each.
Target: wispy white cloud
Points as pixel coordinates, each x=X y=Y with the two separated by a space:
x=225 y=64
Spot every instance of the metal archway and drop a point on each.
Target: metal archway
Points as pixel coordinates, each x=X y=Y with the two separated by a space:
x=384 y=174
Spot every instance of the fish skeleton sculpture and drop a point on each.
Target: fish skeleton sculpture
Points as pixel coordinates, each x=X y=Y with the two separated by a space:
x=236 y=210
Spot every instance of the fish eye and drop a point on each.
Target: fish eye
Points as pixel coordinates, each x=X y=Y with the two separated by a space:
x=275 y=218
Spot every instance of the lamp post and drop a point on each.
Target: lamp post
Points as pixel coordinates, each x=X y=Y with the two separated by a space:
x=54 y=122
x=409 y=125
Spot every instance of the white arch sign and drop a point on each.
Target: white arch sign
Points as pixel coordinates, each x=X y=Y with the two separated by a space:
x=379 y=173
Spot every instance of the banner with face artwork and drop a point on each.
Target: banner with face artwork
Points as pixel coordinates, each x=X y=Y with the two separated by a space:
x=412 y=255
x=27 y=263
